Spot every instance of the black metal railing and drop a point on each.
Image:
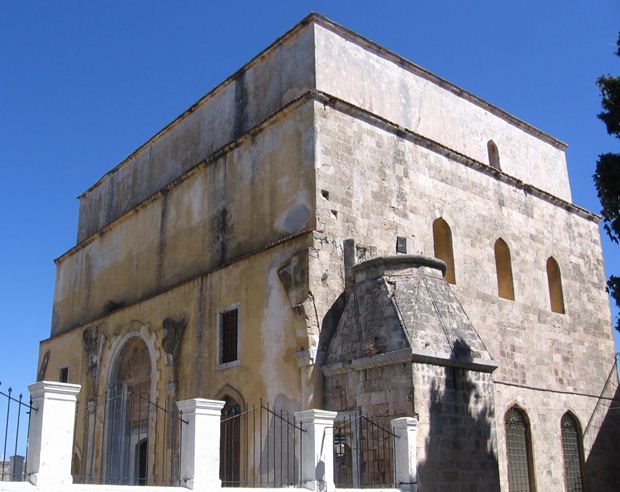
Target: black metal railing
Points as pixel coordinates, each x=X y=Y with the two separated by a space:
x=259 y=447
x=363 y=452
x=15 y=437
x=127 y=439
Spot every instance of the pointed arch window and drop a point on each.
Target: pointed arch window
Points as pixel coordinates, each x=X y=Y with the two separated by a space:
x=572 y=449
x=442 y=241
x=503 y=268
x=554 y=278
x=493 y=155
x=519 y=451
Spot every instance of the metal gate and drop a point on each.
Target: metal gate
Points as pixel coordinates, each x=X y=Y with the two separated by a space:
x=363 y=452
x=258 y=447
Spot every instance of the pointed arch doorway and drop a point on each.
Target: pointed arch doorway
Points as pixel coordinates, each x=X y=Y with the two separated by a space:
x=230 y=443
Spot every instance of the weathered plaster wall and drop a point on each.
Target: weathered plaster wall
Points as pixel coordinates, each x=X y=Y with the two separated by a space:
x=355 y=71
x=275 y=77
x=257 y=193
x=268 y=341
x=373 y=185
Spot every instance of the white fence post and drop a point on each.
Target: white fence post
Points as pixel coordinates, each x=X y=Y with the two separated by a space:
x=50 y=440
x=200 y=443
x=317 y=449
x=405 y=458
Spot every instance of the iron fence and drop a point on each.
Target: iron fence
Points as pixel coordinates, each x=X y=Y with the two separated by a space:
x=363 y=452
x=127 y=439
x=15 y=439
x=259 y=447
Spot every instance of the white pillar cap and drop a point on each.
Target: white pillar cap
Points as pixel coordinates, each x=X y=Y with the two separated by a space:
x=54 y=390
x=201 y=406
x=317 y=416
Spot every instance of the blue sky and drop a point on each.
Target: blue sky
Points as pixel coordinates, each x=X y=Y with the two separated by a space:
x=82 y=84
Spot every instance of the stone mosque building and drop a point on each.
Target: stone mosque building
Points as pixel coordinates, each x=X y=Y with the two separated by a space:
x=335 y=227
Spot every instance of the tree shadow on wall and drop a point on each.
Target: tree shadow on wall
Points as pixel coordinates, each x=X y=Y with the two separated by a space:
x=601 y=464
x=461 y=449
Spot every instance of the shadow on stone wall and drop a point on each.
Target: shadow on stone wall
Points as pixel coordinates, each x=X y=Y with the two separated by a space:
x=602 y=463
x=460 y=447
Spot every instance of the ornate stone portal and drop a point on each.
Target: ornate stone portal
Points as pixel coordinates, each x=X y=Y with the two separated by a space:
x=127 y=416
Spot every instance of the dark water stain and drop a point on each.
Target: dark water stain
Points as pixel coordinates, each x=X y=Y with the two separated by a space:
x=161 y=242
x=201 y=316
x=110 y=209
x=240 y=110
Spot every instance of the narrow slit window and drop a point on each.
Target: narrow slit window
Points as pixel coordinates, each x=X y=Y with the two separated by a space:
x=229 y=336
x=519 y=451
x=493 y=155
x=572 y=449
x=556 y=294
x=503 y=268
x=442 y=241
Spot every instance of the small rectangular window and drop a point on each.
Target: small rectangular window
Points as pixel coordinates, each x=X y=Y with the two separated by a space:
x=229 y=336
x=63 y=375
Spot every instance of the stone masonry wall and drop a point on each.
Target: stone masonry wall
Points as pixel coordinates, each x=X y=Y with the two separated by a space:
x=373 y=185
x=372 y=78
x=379 y=391
x=456 y=435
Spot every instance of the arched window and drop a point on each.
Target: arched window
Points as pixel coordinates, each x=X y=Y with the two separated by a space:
x=519 y=451
x=503 y=267
x=556 y=296
x=493 y=155
x=572 y=447
x=442 y=241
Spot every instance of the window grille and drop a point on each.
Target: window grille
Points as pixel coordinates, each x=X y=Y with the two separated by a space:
x=229 y=336
x=520 y=478
x=573 y=455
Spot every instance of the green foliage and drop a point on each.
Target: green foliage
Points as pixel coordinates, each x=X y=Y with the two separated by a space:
x=607 y=182
x=610 y=95
x=607 y=174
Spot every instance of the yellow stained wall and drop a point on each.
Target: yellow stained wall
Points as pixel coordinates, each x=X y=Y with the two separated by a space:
x=268 y=341
x=214 y=238
x=257 y=192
